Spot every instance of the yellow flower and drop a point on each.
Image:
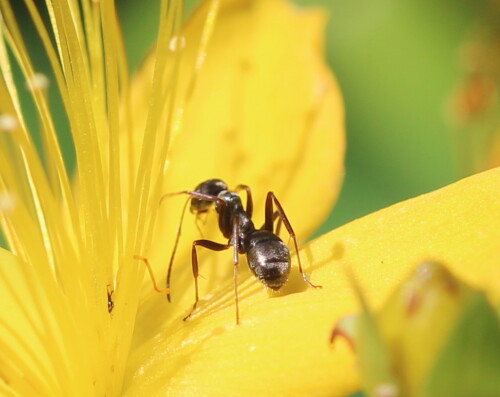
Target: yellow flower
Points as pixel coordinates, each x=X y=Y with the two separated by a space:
x=236 y=93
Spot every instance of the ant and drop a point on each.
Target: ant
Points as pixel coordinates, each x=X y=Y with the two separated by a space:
x=267 y=255
x=111 y=304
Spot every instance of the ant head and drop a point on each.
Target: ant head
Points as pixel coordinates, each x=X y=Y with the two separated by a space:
x=211 y=187
x=269 y=259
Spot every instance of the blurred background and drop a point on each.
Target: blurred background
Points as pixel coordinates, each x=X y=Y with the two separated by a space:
x=419 y=80
x=404 y=68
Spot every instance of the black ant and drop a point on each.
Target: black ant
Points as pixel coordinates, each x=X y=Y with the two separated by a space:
x=267 y=255
x=111 y=304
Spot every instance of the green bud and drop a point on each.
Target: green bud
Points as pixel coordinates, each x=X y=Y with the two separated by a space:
x=434 y=336
x=468 y=363
x=417 y=318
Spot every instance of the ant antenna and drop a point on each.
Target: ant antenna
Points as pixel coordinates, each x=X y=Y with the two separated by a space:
x=155 y=287
x=167 y=195
x=174 y=250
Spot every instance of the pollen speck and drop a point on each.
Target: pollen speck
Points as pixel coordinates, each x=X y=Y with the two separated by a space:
x=166 y=165
x=38 y=81
x=8 y=122
x=177 y=43
x=386 y=390
x=7 y=202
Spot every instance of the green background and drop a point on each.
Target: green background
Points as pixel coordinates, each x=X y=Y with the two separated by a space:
x=397 y=64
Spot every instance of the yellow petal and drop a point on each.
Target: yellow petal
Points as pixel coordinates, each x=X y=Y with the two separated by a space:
x=265 y=112
x=281 y=347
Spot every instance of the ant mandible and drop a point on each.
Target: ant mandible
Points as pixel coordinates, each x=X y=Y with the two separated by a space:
x=267 y=255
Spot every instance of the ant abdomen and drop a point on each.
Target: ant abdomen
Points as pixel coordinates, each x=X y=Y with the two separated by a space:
x=269 y=258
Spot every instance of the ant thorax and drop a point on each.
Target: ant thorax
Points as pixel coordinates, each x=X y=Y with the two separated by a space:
x=231 y=215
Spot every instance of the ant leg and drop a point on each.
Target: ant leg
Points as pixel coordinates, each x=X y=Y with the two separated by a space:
x=211 y=245
x=148 y=266
x=278 y=226
x=235 y=243
x=270 y=199
x=198 y=219
x=174 y=250
x=249 y=206
x=192 y=195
